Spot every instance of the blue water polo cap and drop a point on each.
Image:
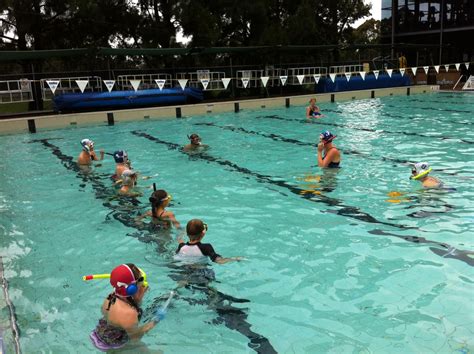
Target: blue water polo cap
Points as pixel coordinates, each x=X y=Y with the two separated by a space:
x=120 y=156
x=327 y=136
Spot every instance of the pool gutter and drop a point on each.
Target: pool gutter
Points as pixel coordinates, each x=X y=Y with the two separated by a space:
x=11 y=310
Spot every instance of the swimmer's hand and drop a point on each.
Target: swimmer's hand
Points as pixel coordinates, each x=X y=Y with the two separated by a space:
x=160 y=314
x=148 y=326
x=320 y=147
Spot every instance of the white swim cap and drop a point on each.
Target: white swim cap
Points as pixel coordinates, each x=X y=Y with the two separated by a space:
x=420 y=169
x=127 y=176
x=87 y=145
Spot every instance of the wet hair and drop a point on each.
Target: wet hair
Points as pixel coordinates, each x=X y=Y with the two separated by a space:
x=136 y=272
x=193 y=136
x=194 y=229
x=156 y=200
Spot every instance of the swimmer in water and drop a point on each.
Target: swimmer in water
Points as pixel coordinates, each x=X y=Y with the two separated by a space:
x=195 y=144
x=420 y=171
x=129 y=181
x=196 y=231
x=121 y=310
x=159 y=215
x=88 y=154
x=328 y=155
x=312 y=111
x=122 y=163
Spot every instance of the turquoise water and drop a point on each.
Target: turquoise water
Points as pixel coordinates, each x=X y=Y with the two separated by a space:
x=333 y=263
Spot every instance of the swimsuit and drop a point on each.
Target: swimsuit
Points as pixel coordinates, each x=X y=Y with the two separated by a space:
x=332 y=164
x=106 y=336
x=313 y=112
x=158 y=223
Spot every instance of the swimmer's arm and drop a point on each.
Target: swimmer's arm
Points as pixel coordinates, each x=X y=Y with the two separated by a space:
x=141 y=217
x=175 y=222
x=329 y=157
x=136 y=332
x=307 y=113
x=135 y=194
x=223 y=260
x=94 y=156
x=181 y=237
x=320 y=156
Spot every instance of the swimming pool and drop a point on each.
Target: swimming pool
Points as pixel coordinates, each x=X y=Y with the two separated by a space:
x=334 y=264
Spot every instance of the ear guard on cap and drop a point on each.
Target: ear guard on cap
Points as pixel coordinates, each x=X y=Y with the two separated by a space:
x=87 y=145
x=124 y=289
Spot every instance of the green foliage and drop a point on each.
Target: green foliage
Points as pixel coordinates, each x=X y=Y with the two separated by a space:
x=57 y=24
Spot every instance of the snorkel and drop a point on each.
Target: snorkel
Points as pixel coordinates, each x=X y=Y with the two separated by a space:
x=107 y=276
x=420 y=170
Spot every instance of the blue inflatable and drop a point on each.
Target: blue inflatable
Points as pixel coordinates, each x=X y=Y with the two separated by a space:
x=357 y=83
x=126 y=99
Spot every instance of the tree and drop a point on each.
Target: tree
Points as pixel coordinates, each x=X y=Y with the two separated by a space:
x=366 y=33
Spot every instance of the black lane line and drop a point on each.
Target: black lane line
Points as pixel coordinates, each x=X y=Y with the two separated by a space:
x=446 y=251
x=438 y=109
x=276 y=137
x=342 y=209
x=233 y=317
x=297 y=142
x=379 y=131
x=444 y=102
x=398 y=117
x=345 y=210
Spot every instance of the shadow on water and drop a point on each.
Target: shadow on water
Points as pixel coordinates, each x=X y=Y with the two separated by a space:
x=342 y=209
x=277 y=137
x=232 y=317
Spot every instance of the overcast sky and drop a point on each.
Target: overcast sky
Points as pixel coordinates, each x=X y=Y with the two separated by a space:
x=375 y=12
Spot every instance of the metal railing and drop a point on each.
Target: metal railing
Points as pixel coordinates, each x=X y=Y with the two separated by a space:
x=308 y=73
x=147 y=81
x=15 y=91
x=253 y=77
x=69 y=85
x=195 y=79
x=342 y=69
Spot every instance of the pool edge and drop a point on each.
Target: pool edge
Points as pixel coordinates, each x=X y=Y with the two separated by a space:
x=59 y=121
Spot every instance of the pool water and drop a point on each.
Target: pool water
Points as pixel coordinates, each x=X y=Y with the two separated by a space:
x=354 y=260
